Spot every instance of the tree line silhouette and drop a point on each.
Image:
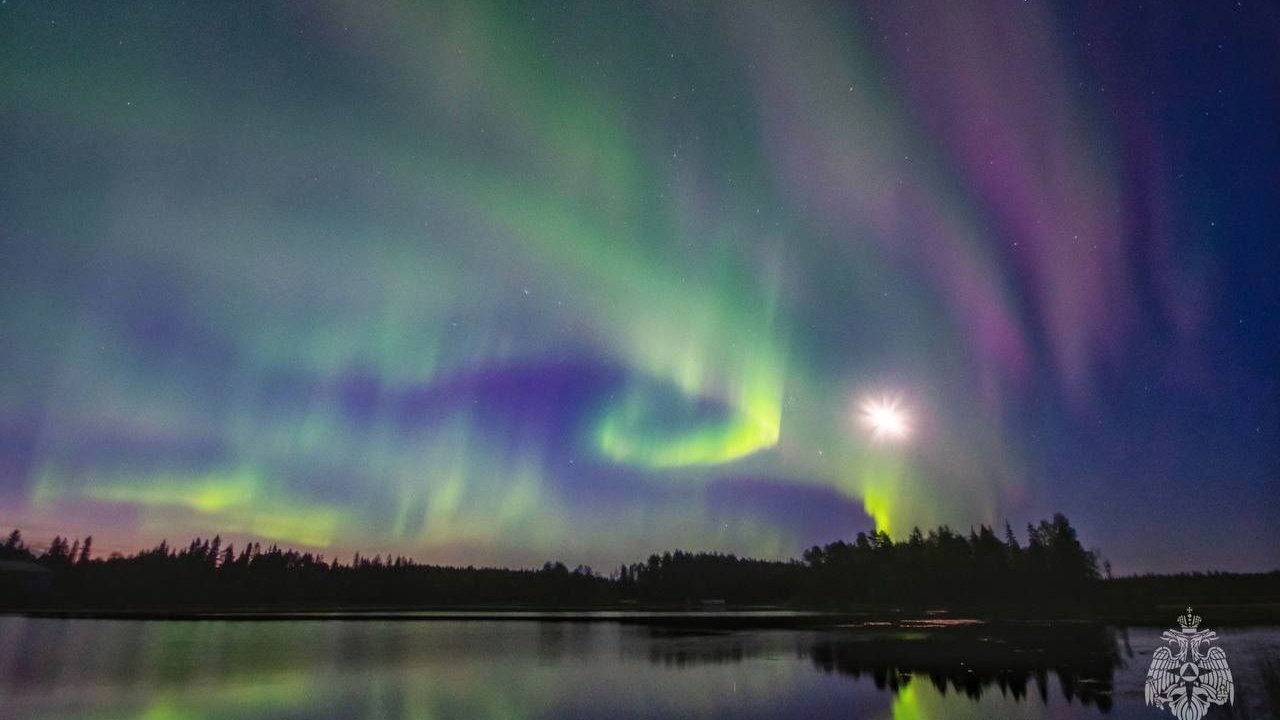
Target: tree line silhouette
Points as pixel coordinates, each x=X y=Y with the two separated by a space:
x=1048 y=572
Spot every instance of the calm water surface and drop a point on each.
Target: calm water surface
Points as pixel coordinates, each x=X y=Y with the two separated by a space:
x=538 y=669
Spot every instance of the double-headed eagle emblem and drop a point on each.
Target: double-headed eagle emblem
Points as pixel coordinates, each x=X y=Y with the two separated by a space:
x=1187 y=675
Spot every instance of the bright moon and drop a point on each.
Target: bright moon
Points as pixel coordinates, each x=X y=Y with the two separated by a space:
x=886 y=419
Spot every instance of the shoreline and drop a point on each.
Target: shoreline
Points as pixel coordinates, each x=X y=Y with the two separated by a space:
x=718 y=619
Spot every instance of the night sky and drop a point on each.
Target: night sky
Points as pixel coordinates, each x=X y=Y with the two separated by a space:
x=505 y=282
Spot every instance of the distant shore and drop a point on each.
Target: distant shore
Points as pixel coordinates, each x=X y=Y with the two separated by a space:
x=751 y=618
x=938 y=576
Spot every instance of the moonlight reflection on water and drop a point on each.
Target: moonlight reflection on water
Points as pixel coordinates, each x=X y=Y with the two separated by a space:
x=73 y=669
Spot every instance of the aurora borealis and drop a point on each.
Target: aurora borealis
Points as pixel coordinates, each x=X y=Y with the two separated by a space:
x=502 y=282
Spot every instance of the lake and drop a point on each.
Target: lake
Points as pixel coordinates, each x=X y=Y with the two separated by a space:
x=533 y=667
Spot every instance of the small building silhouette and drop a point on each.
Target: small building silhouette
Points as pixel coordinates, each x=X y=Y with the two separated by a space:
x=22 y=581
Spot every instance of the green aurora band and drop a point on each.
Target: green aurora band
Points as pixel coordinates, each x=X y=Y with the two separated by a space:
x=662 y=266
x=493 y=283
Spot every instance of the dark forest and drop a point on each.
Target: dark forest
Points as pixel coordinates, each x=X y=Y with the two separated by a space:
x=1046 y=573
